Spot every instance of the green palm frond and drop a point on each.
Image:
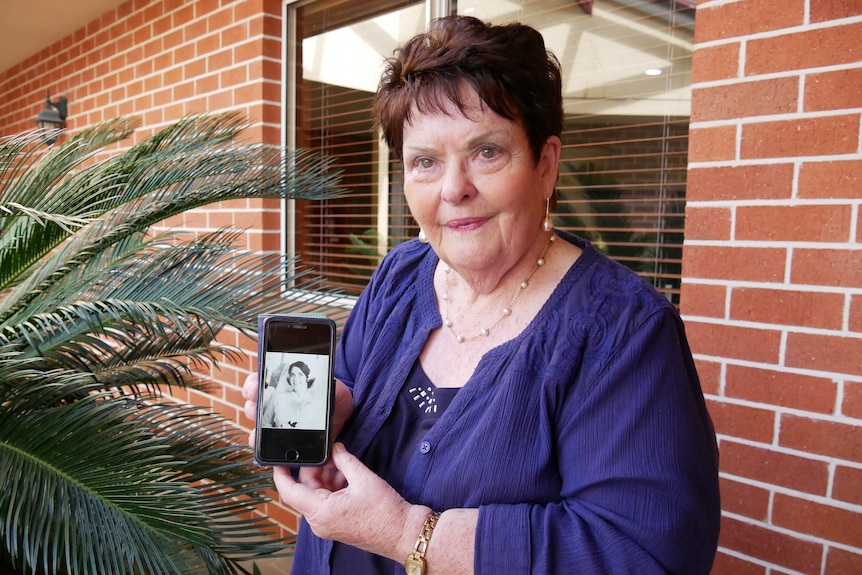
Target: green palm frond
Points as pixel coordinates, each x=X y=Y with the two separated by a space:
x=99 y=472
x=47 y=184
x=38 y=177
x=124 y=482
x=193 y=163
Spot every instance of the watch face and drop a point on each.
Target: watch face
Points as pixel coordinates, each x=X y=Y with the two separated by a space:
x=414 y=566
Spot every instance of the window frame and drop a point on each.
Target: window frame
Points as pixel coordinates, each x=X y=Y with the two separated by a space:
x=292 y=210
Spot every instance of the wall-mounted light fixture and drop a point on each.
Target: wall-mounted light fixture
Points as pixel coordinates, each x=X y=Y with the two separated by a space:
x=52 y=116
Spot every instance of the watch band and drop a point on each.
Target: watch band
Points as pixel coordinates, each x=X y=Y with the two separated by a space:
x=415 y=562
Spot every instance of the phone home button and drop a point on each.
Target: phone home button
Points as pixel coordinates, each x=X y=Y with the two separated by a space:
x=291 y=455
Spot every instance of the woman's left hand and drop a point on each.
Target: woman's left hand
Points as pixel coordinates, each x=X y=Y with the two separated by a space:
x=366 y=513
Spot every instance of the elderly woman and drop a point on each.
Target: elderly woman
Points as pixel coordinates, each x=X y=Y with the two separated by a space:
x=514 y=402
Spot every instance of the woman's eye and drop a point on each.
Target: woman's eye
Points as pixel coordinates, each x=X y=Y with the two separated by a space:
x=422 y=163
x=487 y=153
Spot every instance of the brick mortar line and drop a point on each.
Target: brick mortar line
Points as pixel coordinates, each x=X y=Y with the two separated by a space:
x=811 y=497
x=784 y=570
x=790 y=329
x=783 y=410
x=849 y=463
x=742 y=79
x=787 y=203
x=789 y=287
x=738 y=163
x=784 y=117
x=849 y=246
x=724 y=361
x=788 y=31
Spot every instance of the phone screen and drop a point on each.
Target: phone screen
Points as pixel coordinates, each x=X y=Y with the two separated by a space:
x=295 y=390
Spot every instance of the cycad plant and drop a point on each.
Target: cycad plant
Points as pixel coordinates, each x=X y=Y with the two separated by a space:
x=100 y=472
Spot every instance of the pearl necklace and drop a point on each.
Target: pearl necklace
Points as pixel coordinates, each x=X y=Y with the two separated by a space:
x=507 y=311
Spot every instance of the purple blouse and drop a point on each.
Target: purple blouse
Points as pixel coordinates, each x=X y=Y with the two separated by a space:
x=584 y=442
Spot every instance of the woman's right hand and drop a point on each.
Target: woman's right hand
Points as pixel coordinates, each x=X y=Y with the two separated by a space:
x=326 y=477
x=250 y=392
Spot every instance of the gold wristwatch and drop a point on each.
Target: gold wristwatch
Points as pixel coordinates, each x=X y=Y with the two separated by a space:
x=415 y=563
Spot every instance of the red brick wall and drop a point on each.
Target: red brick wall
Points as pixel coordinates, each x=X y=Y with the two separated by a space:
x=772 y=268
x=160 y=60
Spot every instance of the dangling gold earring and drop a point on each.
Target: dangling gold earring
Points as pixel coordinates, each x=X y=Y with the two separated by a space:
x=548 y=223
x=422 y=237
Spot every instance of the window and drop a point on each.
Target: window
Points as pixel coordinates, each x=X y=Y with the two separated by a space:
x=626 y=81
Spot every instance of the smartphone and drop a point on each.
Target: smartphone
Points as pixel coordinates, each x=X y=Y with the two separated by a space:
x=295 y=390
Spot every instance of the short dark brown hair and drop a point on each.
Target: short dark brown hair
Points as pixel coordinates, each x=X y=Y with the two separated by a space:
x=508 y=67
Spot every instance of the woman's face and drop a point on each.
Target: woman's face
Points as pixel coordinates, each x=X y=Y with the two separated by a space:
x=473 y=186
x=297 y=379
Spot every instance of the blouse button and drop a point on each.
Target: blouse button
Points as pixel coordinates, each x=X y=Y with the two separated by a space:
x=424 y=447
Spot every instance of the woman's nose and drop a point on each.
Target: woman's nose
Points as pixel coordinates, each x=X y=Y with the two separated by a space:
x=457 y=183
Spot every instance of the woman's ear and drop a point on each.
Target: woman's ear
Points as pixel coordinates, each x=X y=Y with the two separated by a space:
x=549 y=162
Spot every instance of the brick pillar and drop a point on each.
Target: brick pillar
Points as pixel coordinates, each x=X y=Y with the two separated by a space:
x=772 y=267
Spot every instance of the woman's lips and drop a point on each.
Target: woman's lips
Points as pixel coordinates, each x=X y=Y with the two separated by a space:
x=465 y=224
